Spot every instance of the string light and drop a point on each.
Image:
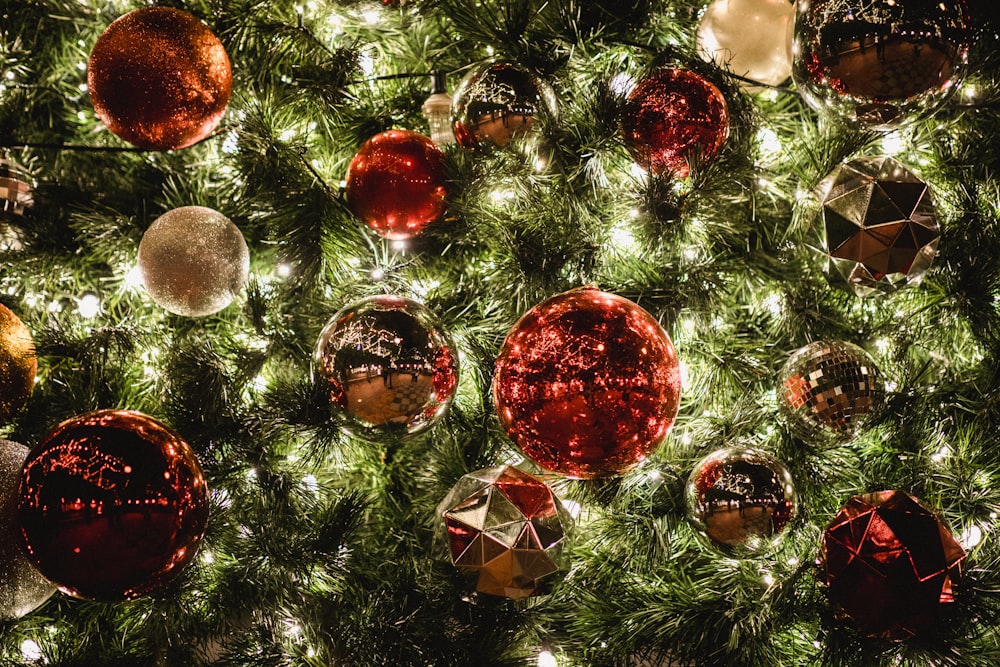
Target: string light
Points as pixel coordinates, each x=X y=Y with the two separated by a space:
x=89 y=305
x=546 y=659
x=30 y=650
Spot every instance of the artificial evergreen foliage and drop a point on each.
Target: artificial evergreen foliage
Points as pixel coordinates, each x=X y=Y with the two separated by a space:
x=321 y=548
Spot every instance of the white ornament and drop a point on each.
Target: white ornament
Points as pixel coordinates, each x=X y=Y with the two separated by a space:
x=751 y=38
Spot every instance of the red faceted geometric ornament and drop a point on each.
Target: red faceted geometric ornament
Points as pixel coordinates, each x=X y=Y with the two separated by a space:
x=890 y=564
x=508 y=527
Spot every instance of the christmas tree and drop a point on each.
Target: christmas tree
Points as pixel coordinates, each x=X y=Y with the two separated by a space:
x=324 y=541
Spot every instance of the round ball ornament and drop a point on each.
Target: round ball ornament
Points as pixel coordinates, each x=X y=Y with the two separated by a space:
x=878 y=63
x=16 y=191
x=18 y=364
x=498 y=102
x=752 y=38
x=388 y=365
x=740 y=499
x=159 y=78
x=587 y=384
x=890 y=565
x=111 y=505
x=879 y=230
x=193 y=260
x=397 y=183
x=22 y=588
x=828 y=390
x=506 y=527
x=671 y=116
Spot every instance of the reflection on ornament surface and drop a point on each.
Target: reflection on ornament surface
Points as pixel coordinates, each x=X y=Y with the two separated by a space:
x=388 y=366
x=498 y=102
x=587 y=384
x=880 y=232
x=828 y=390
x=506 y=526
x=877 y=62
x=890 y=564
x=112 y=505
x=740 y=498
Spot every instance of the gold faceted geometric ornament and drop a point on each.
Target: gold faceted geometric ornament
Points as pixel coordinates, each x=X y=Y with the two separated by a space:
x=506 y=526
x=879 y=230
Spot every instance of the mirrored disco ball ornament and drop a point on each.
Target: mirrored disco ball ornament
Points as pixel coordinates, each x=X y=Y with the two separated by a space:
x=16 y=191
x=22 y=587
x=507 y=527
x=890 y=565
x=878 y=225
x=740 y=498
x=828 y=390
x=877 y=63
x=751 y=38
x=498 y=102
x=587 y=384
x=387 y=365
x=111 y=505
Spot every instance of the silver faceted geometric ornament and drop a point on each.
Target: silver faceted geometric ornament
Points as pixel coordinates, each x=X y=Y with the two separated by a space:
x=878 y=226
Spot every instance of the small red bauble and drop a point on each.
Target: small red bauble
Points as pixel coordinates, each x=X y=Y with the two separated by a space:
x=587 y=384
x=671 y=115
x=396 y=183
x=111 y=505
x=159 y=78
x=890 y=564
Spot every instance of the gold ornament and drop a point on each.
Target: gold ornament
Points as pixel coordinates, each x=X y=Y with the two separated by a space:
x=18 y=364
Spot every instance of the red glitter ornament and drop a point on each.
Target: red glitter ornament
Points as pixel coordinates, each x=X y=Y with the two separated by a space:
x=111 y=505
x=671 y=115
x=159 y=78
x=396 y=183
x=587 y=384
x=890 y=564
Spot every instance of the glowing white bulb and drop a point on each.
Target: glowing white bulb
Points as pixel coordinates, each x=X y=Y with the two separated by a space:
x=206 y=557
x=572 y=507
x=89 y=305
x=770 y=144
x=30 y=650
x=970 y=91
x=311 y=483
x=377 y=274
x=546 y=659
x=971 y=537
x=133 y=279
x=893 y=143
x=283 y=270
x=622 y=84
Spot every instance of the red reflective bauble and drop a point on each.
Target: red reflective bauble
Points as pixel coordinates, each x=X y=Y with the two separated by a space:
x=396 y=183
x=111 y=505
x=159 y=78
x=670 y=116
x=587 y=384
x=890 y=564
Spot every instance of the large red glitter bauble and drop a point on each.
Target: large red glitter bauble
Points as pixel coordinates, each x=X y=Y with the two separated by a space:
x=112 y=504
x=159 y=78
x=396 y=183
x=671 y=115
x=890 y=564
x=587 y=384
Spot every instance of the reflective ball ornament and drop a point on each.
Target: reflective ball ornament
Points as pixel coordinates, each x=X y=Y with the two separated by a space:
x=587 y=384
x=16 y=190
x=508 y=528
x=498 y=102
x=194 y=261
x=879 y=63
x=672 y=115
x=159 y=78
x=397 y=183
x=111 y=505
x=22 y=588
x=828 y=390
x=740 y=499
x=751 y=38
x=878 y=225
x=890 y=565
x=388 y=365
x=18 y=364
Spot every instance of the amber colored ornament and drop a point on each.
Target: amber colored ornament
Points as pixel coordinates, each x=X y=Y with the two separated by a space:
x=828 y=390
x=879 y=227
x=740 y=498
x=671 y=115
x=498 y=102
x=890 y=565
x=507 y=527
x=112 y=505
x=750 y=38
x=878 y=63
x=397 y=183
x=388 y=365
x=159 y=78
x=18 y=364
x=587 y=384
